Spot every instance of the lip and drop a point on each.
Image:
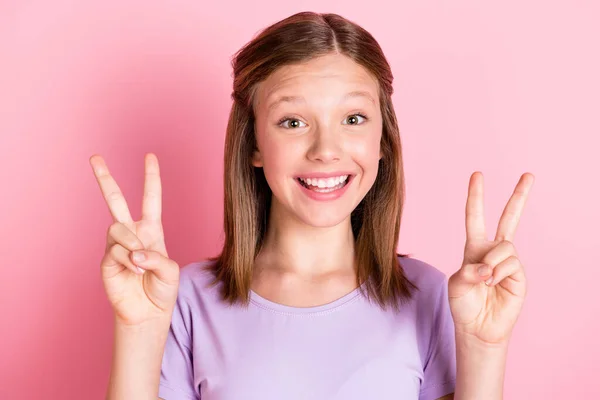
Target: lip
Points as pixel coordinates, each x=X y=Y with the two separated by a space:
x=324 y=175
x=326 y=196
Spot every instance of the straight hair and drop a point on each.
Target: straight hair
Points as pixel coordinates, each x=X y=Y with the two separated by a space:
x=247 y=196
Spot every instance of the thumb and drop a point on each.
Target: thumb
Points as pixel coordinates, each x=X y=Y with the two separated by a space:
x=164 y=268
x=464 y=279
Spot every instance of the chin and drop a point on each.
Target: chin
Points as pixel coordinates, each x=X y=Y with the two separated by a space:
x=324 y=219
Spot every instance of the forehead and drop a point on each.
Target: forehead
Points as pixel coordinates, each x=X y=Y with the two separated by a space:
x=326 y=74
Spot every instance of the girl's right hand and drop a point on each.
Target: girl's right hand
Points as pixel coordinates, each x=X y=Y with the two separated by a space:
x=137 y=296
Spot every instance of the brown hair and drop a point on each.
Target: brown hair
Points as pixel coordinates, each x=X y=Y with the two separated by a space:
x=375 y=221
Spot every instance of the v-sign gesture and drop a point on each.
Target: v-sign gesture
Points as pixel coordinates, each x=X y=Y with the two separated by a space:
x=487 y=293
x=137 y=296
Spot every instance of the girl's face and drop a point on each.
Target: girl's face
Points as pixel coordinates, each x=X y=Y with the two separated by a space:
x=318 y=130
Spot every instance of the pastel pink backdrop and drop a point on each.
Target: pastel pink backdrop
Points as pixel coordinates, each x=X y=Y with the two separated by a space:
x=505 y=89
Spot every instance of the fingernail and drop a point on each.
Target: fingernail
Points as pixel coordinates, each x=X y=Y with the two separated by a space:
x=483 y=270
x=489 y=281
x=138 y=256
x=141 y=271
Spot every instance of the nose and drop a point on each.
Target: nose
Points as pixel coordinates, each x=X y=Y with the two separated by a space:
x=325 y=146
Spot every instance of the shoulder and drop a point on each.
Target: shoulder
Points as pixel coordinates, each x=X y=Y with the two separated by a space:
x=434 y=323
x=431 y=295
x=195 y=273
x=424 y=275
x=196 y=283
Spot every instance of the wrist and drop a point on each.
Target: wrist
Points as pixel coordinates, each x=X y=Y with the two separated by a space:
x=473 y=343
x=154 y=324
x=480 y=367
x=137 y=358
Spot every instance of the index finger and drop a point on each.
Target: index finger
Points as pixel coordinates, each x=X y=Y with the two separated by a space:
x=475 y=221
x=152 y=202
x=111 y=191
x=512 y=212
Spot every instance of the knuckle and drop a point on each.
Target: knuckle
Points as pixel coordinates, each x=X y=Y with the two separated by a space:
x=151 y=195
x=113 y=228
x=514 y=260
x=115 y=250
x=134 y=243
x=507 y=243
x=123 y=235
x=487 y=259
x=113 y=196
x=466 y=275
x=116 y=254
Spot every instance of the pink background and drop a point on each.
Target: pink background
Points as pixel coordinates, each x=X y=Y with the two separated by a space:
x=505 y=88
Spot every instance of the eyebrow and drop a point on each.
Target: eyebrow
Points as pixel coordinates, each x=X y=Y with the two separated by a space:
x=300 y=99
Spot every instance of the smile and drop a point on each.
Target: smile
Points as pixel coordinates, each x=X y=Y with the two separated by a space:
x=329 y=188
x=324 y=185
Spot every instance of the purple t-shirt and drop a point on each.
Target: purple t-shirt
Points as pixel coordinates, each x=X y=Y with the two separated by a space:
x=349 y=349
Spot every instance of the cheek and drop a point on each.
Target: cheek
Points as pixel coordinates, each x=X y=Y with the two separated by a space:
x=366 y=150
x=279 y=161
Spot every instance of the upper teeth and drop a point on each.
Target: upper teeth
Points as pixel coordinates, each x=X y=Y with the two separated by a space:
x=322 y=183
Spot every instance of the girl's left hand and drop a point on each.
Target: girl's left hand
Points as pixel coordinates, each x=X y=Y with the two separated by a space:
x=486 y=307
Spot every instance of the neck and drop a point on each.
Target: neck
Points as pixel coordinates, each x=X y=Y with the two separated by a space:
x=293 y=247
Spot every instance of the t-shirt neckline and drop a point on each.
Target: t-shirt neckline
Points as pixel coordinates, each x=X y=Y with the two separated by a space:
x=264 y=303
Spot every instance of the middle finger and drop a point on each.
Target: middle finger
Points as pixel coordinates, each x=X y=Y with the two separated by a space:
x=514 y=208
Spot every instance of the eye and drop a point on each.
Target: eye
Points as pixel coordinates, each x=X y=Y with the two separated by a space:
x=293 y=123
x=355 y=119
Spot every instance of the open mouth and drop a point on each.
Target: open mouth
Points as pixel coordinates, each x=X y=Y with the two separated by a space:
x=325 y=185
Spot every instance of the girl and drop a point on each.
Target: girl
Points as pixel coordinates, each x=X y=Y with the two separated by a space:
x=308 y=298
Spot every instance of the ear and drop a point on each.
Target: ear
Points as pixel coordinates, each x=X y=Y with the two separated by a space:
x=257 y=159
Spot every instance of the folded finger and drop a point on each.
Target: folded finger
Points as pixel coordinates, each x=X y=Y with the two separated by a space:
x=165 y=268
x=499 y=253
x=511 y=267
x=466 y=277
x=118 y=257
x=119 y=233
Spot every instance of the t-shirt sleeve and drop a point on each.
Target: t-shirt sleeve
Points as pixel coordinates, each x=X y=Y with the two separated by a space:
x=439 y=371
x=177 y=371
